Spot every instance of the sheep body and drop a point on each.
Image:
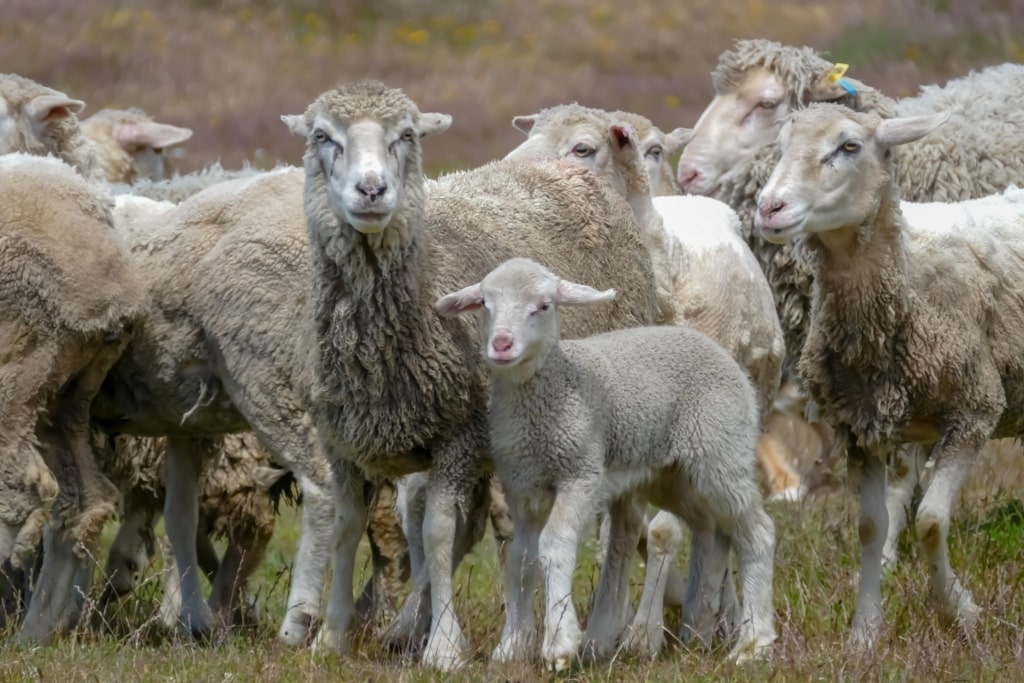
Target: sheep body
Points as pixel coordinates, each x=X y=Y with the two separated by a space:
x=397 y=389
x=916 y=324
x=663 y=411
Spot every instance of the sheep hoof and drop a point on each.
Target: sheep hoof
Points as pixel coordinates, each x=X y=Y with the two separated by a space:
x=296 y=629
x=328 y=640
x=748 y=650
x=792 y=494
x=446 y=657
x=644 y=641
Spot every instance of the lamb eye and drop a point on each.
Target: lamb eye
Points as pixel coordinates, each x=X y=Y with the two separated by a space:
x=319 y=136
x=582 y=151
x=543 y=306
x=768 y=104
x=850 y=147
x=655 y=152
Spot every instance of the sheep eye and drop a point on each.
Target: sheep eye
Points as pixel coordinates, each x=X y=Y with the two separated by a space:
x=655 y=152
x=408 y=135
x=158 y=150
x=768 y=104
x=850 y=147
x=582 y=151
x=544 y=306
x=319 y=136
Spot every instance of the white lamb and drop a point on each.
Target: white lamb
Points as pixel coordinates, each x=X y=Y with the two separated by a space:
x=648 y=413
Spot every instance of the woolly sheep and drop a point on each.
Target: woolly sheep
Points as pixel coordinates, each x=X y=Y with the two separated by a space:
x=70 y=301
x=38 y=120
x=656 y=147
x=661 y=413
x=398 y=389
x=916 y=323
x=130 y=144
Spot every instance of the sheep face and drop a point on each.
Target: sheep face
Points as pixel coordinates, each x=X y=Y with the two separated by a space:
x=591 y=138
x=29 y=114
x=519 y=300
x=832 y=168
x=364 y=139
x=730 y=132
x=139 y=138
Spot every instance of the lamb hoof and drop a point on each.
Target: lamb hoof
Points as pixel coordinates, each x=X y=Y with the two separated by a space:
x=443 y=657
x=644 y=641
x=792 y=494
x=749 y=650
x=512 y=650
x=328 y=640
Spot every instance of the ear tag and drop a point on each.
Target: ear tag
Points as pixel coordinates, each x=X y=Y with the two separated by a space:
x=835 y=75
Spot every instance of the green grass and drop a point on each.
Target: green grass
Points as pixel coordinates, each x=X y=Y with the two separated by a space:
x=815 y=590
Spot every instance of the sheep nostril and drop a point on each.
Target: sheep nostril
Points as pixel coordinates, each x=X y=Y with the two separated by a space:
x=502 y=342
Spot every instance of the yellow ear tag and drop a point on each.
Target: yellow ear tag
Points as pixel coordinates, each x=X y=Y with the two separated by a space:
x=835 y=75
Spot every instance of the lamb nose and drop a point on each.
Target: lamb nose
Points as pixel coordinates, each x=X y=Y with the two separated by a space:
x=372 y=191
x=502 y=342
x=688 y=179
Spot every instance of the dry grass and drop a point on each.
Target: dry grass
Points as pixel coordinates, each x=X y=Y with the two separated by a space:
x=815 y=589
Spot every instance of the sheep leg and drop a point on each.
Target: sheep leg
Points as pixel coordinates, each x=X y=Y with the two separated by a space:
x=953 y=462
x=502 y=524
x=390 y=555
x=868 y=470
x=181 y=515
x=753 y=537
x=47 y=610
x=610 y=615
x=412 y=623
x=904 y=472
x=350 y=512
x=646 y=635
x=521 y=573
x=571 y=512
x=709 y=560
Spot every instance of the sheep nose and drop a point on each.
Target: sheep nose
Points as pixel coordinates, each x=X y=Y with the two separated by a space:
x=687 y=179
x=373 y=190
x=502 y=341
x=769 y=207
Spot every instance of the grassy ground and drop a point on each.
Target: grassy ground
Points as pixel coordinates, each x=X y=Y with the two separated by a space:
x=815 y=590
x=229 y=68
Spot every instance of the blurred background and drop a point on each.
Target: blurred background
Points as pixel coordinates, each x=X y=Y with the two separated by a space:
x=229 y=68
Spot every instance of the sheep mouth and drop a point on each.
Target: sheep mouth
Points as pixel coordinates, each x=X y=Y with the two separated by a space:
x=780 y=234
x=369 y=222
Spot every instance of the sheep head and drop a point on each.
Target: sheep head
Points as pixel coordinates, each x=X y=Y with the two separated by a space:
x=757 y=84
x=139 y=138
x=832 y=170
x=603 y=142
x=31 y=113
x=363 y=143
x=519 y=300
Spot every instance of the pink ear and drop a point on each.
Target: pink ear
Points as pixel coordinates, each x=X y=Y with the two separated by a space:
x=524 y=124
x=466 y=299
x=624 y=135
x=47 y=110
x=150 y=133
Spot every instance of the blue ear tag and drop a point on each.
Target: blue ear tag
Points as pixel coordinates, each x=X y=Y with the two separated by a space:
x=835 y=75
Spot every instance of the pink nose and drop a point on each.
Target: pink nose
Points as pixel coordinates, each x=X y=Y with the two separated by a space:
x=769 y=207
x=501 y=342
x=687 y=179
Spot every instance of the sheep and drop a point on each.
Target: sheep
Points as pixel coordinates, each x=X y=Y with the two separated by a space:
x=916 y=323
x=397 y=389
x=656 y=147
x=760 y=82
x=130 y=144
x=70 y=301
x=40 y=120
x=659 y=413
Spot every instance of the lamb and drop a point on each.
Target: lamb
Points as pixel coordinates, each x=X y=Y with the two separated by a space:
x=650 y=413
x=915 y=326
x=70 y=301
x=130 y=144
x=656 y=147
x=396 y=388
x=38 y=120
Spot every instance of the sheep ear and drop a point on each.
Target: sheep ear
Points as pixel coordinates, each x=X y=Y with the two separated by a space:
x=466 y=299
x=45 y=111
x=891 y=132
x=572 y=294
x=432 y=124
x=524 y=124
x=296 y=124
x=624 y=135
x=677 y=139
x=150 y=133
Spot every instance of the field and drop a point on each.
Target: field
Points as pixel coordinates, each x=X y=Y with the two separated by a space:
x=229 y=68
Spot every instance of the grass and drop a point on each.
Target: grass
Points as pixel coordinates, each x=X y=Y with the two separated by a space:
x=815 y=589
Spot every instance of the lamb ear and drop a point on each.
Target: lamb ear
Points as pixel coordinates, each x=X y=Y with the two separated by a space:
x=524 y=124
x=572 y=294
x=432 y=124
x=46 y=110
x=677 y=139
x=891 y=132
x=466 y=299
x=150 y=133
x=296 y=124
x=624 y=135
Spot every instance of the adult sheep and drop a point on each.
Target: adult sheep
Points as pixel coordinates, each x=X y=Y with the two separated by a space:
x=917 y=324
x=70 y=302
x=397 y=388
x=130 y=143
x=759 y=83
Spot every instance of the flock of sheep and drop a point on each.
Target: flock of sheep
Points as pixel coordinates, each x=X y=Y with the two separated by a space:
x=198 y=345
